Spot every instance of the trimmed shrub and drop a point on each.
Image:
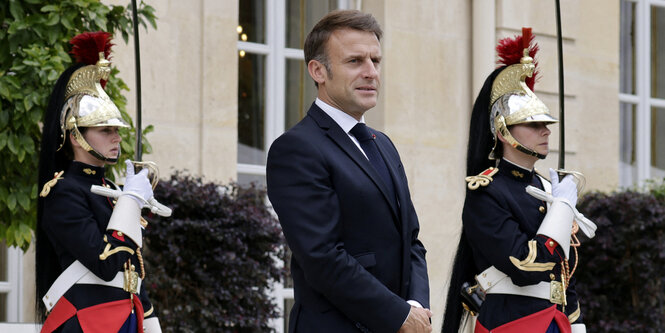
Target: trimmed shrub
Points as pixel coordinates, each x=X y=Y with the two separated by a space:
x=211 y=265
x=621 y=276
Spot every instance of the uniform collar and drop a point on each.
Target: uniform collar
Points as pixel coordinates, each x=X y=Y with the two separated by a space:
x=86 y=170
x=515 y=171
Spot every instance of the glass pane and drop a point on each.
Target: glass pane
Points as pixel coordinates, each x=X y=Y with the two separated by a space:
x=3 y=262
x=627 y=137
x=658 y=52
x=251 y=21
x=288 y=305
x=627 y=48
x=300 y=92
x=245 y=179
x=287 y=279
x=658 y=138
x=251 y=108
x=301 y=16
x=3 y=308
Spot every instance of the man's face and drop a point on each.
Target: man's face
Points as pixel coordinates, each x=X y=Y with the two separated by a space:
x=534 y=136
x=352 y=85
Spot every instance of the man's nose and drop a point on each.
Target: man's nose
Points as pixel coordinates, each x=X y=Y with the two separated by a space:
x=370 y=69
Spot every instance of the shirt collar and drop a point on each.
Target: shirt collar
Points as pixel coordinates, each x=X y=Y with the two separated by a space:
x=344 y=120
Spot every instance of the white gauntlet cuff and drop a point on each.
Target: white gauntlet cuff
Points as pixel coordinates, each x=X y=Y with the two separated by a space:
x=578 y=328
x=126 y=218
x=558 y=223
x=151 y=325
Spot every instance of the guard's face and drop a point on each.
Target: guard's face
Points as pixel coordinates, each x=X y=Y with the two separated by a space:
x=534 y=136
x=354 y=79
x=105 y=140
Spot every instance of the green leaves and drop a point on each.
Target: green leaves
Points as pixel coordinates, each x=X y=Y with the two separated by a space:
x=33 y=53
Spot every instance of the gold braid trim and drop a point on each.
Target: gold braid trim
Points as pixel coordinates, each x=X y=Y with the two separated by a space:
x=149 y=312
x=138 y=254
x=49 y=184
x=529 y=263
x=108 y=252
x=482 y=179
x=575 y=315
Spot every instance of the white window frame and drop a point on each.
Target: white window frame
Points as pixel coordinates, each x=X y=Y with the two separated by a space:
x=276 y=54
x=13 y=286
x=642 y=99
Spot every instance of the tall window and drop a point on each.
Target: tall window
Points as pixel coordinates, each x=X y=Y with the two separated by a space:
x=274 y=88
x=642 y=90
x=10 y=284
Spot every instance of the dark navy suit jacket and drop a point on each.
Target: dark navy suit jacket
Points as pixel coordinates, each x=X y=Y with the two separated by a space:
x=356 y=254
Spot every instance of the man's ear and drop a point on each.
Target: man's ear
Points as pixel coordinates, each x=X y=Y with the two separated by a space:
x=317 y=71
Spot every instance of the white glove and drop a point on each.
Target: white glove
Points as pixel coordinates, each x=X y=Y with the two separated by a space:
x=566 y=189
x=151 y=325
x=137 y=185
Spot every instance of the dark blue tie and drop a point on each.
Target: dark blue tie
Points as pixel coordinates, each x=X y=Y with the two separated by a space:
x=366 y=140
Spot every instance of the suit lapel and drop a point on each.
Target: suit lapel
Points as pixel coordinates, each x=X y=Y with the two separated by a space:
x=344 y=142
x=393 y=168
x=402 y=192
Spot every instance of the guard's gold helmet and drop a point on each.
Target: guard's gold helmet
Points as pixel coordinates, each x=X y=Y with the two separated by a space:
x=512 y=102
x=86 y=102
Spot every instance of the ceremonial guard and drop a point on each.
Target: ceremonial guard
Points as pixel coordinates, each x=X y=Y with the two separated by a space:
x=89 y=264
x=515 y=252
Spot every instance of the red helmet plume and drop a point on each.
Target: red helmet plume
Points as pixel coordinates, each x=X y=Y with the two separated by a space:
x=86 y=46
x=510 y=51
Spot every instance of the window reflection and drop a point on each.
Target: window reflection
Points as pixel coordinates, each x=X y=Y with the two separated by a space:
x=3 y=307
x=658 y=52
x=300 y=92
x=251 y=108
x=246 y=179
x=4 y=275
x=301 y=15
x=251 y=21
x=627 y=48
x=627 y=133
x=658 y=138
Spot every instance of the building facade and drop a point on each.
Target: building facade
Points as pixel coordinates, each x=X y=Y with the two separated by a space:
x=222 y=79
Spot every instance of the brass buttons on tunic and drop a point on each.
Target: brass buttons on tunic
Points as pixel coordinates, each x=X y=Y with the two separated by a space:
x=541 y=209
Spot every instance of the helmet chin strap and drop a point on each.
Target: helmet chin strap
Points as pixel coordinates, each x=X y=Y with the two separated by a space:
x=101 y=157
x=500 y=121
x=87 y=147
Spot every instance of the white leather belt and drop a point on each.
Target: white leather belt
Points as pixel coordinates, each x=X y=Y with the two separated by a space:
x=118 y=281
x=493 y=281
x=77 y=273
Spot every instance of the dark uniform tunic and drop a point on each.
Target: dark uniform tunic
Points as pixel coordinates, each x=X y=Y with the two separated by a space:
x=75 y=221
x=500 y=220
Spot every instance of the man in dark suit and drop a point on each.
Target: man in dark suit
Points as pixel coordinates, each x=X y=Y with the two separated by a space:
x=342 y=197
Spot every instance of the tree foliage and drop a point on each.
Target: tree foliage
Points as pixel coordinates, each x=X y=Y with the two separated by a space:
x=34 y=36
